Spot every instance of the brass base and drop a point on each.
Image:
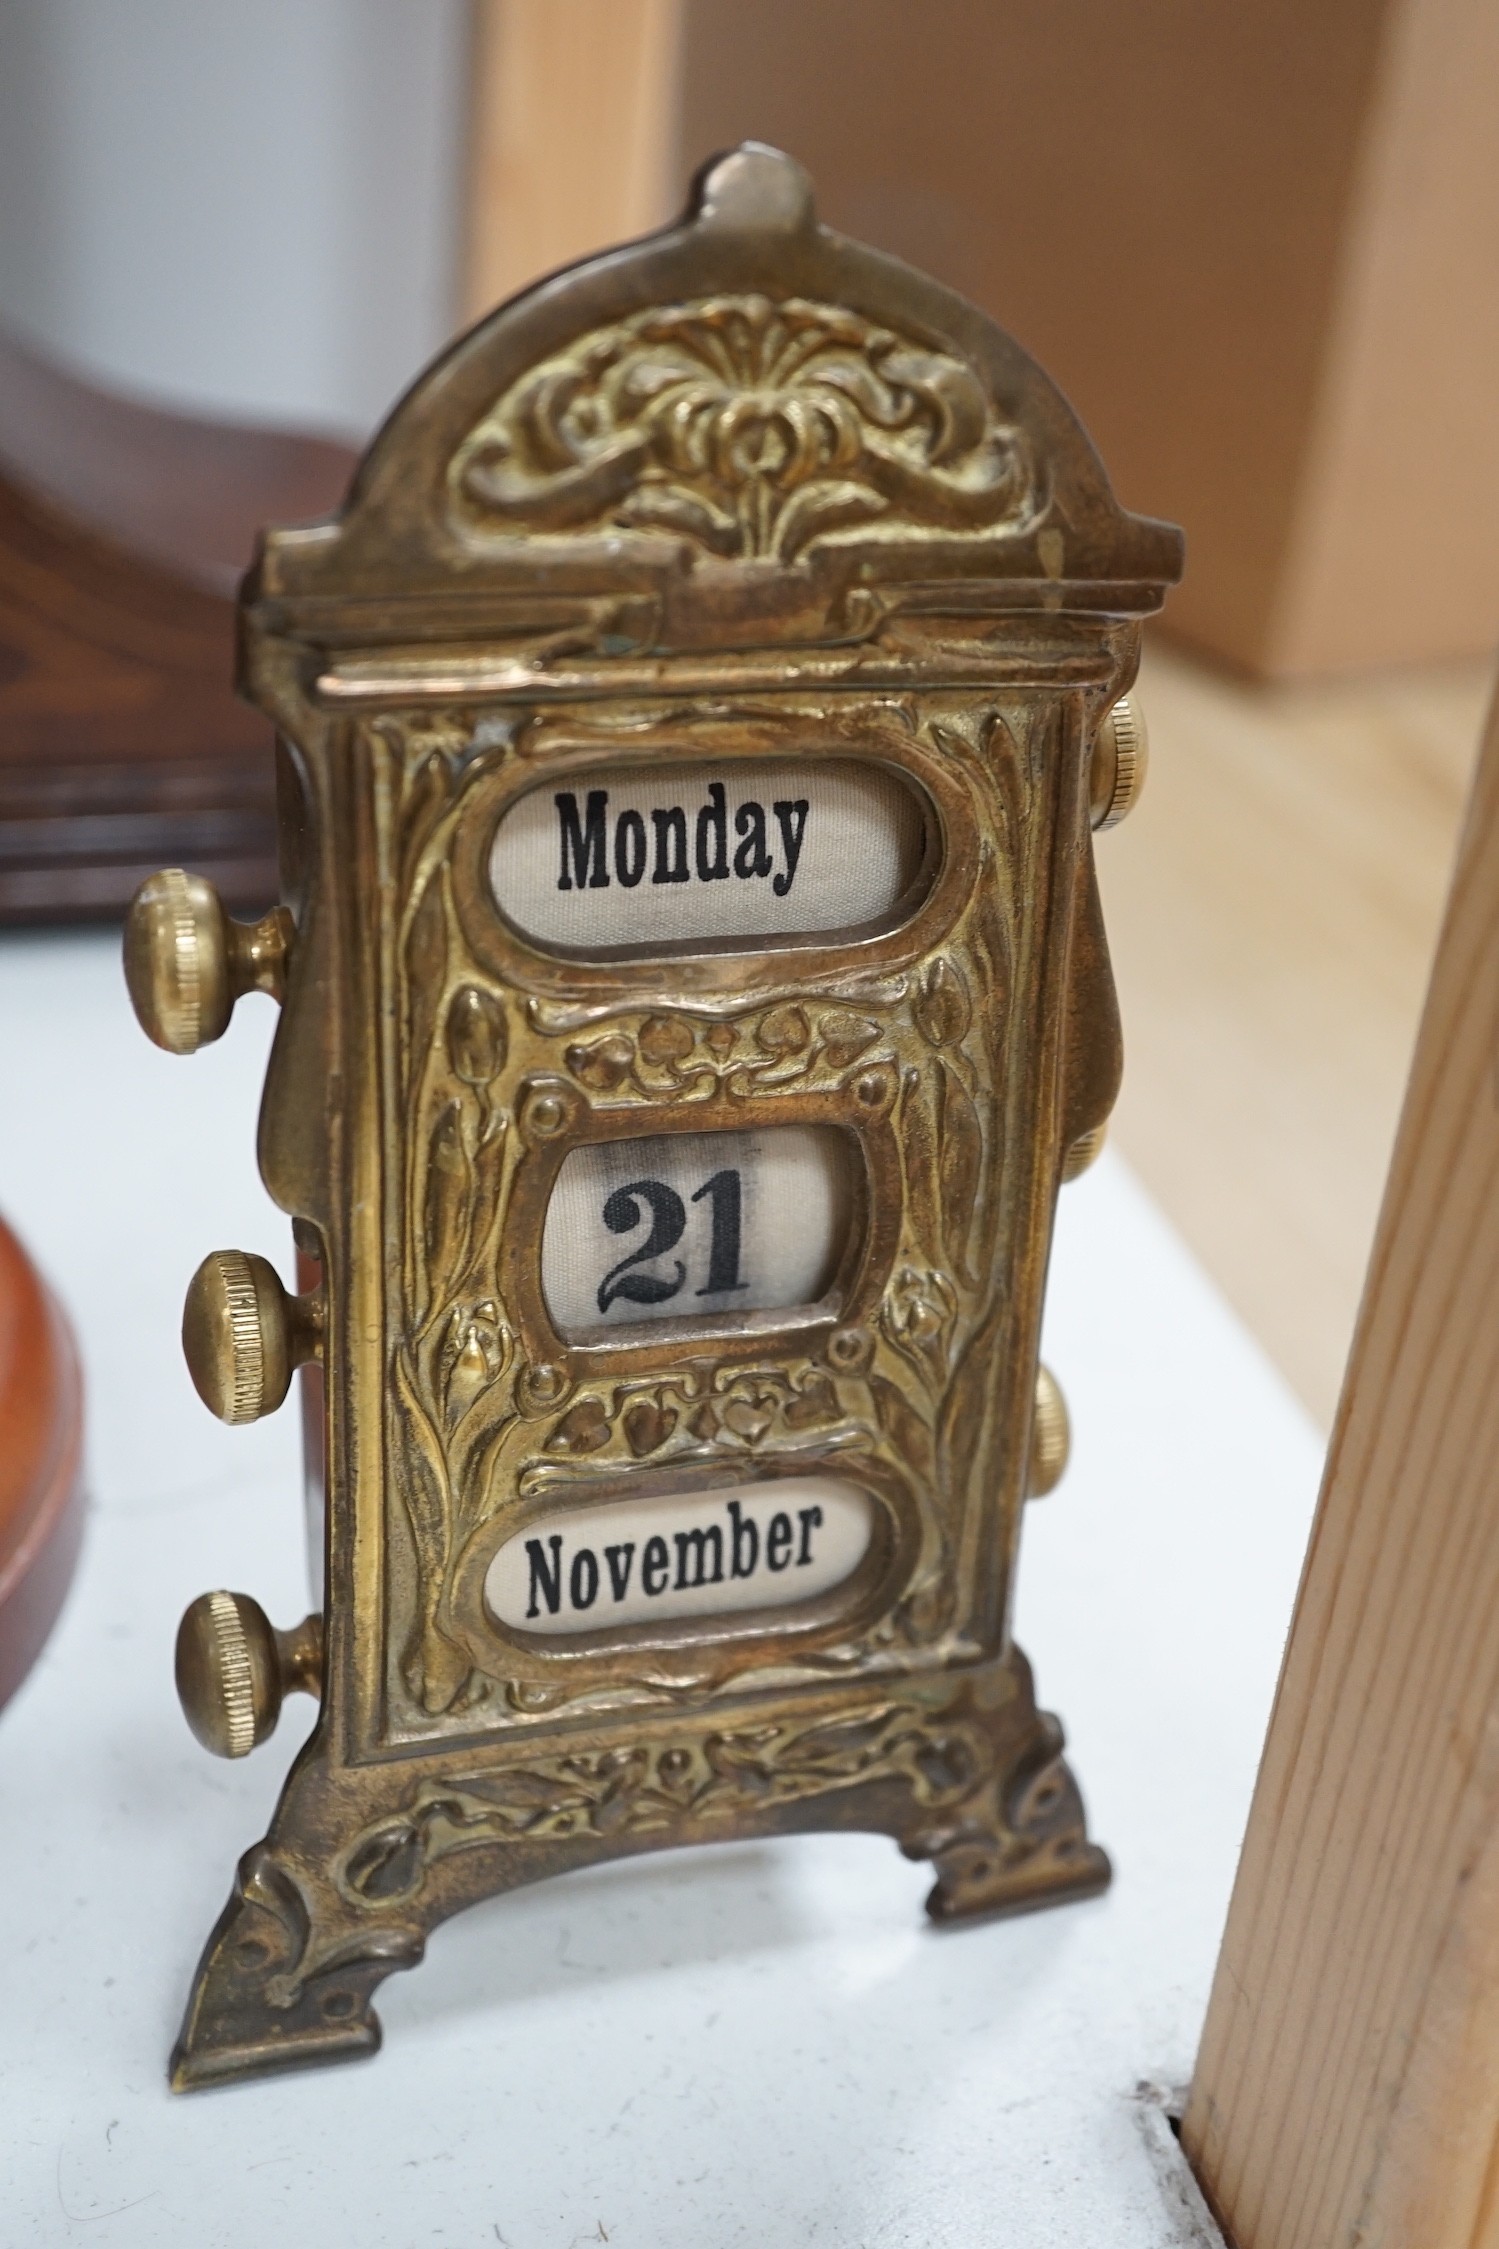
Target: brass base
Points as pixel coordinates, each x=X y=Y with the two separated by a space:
x=362 y=1861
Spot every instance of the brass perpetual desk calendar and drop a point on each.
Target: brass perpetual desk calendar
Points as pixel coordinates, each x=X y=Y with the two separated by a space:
x=693 y=993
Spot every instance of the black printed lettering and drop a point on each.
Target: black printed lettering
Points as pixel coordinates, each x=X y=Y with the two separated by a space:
x=671 y=845
x=697 y=1542
x=751 y=858
x=629 y=849
x=655 y=1566
x=810 y=1519
x=585 y=854
x=723 y=1249
x=791 y=818
x=622 y=1214
x=547 y=1581
x=712 y=837
x=730 y=1540
x=744 y=1541
x=585 y=845
x=619 y=1559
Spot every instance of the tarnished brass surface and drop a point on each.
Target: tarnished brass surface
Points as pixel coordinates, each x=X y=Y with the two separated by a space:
x=1084 y=1152
x=243 y=1335
x=1121 y=759
x=234 y=1668
x=1051 y=1436
x=186 y=962
x=742 y=492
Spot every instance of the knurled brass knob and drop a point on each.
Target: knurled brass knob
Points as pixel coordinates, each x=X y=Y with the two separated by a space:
x=242 y=1334
x=1084 y=1152
x=234 y=1670
x=1051 y=1436
x=186 y=962
x=1121 y=756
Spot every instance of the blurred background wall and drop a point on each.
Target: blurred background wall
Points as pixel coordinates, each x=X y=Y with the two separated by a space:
x=1255 y=240
x=250 y=208
x=1255 y=243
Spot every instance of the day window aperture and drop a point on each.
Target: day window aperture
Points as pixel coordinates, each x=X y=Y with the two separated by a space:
x=744 y=854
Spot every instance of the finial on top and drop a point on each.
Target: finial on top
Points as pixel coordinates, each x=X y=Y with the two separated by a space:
x=754 y=189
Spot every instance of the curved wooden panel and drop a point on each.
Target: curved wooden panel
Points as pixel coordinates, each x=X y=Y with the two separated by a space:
x=41 y=1494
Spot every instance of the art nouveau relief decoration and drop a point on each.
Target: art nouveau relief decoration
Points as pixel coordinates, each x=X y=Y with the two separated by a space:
x=694 y=995
x=751 y=426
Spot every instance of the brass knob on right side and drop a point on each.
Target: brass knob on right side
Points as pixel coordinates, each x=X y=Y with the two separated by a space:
x=1051 y=1436
x=234 y=1670
x=242 y=1334
x=1121 y=758
x=186 y=962
x=1084 y=1152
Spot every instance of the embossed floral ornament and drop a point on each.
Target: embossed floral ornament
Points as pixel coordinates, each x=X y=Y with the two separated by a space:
x=476 y=1350
x=784 y=1030
x=941 y=1006
x=602 y=1064
x=583 y=1428
x=917 y=1313
x=749 y=427
x=665 y=1039
x=845 y=1036
x=476 y=1036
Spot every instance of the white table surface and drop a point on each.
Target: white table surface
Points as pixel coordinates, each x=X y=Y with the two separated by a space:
x=757 y=2043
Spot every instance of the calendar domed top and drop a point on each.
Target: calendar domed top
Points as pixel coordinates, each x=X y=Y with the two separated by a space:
x=744 y=408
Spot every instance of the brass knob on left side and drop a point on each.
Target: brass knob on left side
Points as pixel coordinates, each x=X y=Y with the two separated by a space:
x=1121 y=757
x=186 y=962
x=1051 y=1436
x=234 y=1669
x=242 y=1334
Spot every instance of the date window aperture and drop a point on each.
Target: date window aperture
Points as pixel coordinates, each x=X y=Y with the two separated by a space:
x=690 y=1226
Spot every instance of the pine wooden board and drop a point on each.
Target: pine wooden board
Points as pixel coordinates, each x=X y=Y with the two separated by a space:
x=573 y=128
x=1272 y=907
x=1348 y=2085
